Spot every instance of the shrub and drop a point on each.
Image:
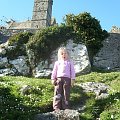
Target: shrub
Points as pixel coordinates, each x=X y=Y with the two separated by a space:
x=87 y=28
x=18 y=41
x=88 y=31
x=48 y=39
x=110 y=115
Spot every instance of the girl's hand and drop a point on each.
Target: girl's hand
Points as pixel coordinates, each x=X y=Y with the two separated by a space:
x=53 y=82
x=72 y=82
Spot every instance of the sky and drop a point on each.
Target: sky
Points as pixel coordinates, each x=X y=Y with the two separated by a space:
x=105 y=11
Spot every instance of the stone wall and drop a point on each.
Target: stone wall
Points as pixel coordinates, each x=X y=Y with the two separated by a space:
x=115 y=29
x=108 y=57
x=42 y=12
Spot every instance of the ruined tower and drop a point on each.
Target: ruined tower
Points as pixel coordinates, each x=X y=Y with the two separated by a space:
x=42 y=12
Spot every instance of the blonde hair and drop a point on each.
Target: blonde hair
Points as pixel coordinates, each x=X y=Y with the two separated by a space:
x=60 y=50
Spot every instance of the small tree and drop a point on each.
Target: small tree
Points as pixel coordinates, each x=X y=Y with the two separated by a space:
x=88 y=31
x=48 y=39
x=19 y=41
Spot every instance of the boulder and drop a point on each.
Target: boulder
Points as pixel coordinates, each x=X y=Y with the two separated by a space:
x=78 y=54
x=25 y=65
x=59 y=115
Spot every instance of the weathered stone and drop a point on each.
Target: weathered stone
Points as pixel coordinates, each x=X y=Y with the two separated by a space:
x=115 y=29
x=102 y=96
x=78 y=54
x=2 y=51
x=59 y=115
x=41 y=18
x=3 y=62
x=108 y=58
x=24 y=90
x=8 y=71
x=21 y=65
x=100 y=89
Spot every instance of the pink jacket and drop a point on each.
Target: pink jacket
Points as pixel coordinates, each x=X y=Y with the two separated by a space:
x=63 y=69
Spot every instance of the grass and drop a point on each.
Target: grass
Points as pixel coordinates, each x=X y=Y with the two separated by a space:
x=106 y=109
x=38 y=99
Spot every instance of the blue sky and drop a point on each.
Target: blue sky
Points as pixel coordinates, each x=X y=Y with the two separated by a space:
x=106 y=11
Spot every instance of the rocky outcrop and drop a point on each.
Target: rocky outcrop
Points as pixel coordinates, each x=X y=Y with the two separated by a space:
x=3 y=38
x=108 y=58
x=115 y=29
x=22 y=64
x=14 y=67
x=100 y=89
x=59 y=115
x=78 y=54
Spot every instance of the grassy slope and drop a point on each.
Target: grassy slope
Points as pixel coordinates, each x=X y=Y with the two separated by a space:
x=38 y=99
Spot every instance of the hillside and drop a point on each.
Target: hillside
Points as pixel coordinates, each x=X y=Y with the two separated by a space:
x=17 y=103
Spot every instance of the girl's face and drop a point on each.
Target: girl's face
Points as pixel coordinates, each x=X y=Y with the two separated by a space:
x=64 y=55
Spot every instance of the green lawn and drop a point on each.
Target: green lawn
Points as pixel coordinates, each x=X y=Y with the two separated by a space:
x=14 y=105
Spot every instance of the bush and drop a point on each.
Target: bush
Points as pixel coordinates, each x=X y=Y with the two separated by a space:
x=88 y=31
x=87 y=28
x=18 y=41
x=110 y=115
x=48 y=39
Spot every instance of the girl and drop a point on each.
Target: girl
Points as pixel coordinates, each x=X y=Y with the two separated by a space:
x=63 y=77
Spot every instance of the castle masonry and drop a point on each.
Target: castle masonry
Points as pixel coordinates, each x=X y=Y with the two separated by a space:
x=42 y=12
x=41 y=18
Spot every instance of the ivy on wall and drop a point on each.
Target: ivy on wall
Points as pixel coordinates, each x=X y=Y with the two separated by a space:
x=82 y=28
x=48 y=39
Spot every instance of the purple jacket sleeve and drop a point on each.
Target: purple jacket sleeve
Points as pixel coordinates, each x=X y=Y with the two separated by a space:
x=54 y=72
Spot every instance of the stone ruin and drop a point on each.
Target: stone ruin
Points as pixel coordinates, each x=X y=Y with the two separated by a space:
x=115 y=29
x=41 y=18
x=108 y=58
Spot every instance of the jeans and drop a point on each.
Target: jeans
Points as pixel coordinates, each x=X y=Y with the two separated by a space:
x=62 y=93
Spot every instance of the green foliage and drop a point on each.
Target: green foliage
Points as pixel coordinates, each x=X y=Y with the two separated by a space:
x=109 y=107
x=110 y=115
x=48 y=39
x=18 y=41
x=88 y=31
x=82 y=28
x=16 y=106
x=113 y=111
x=87 y=28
